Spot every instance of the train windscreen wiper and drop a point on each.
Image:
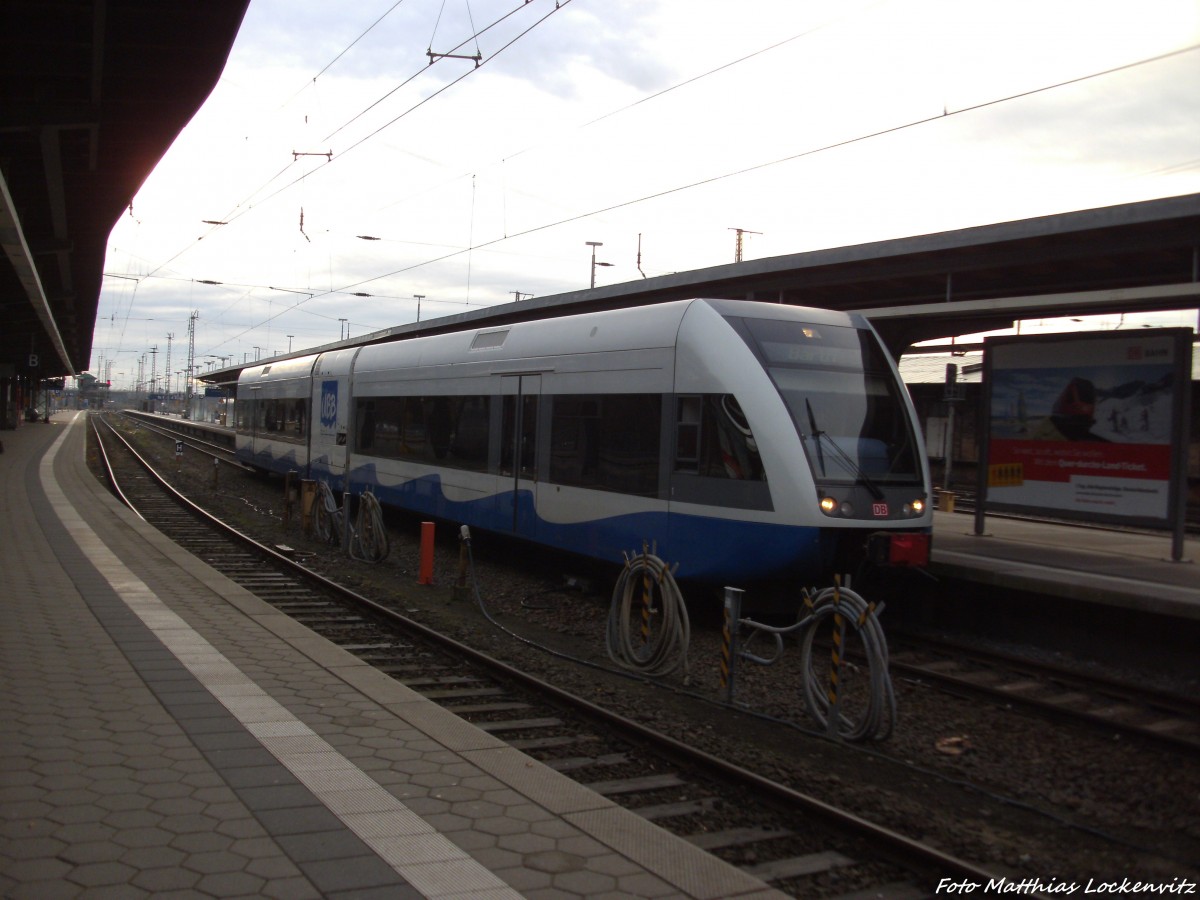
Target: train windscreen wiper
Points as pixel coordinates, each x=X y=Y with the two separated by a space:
x=816 y=432
x=841 y=455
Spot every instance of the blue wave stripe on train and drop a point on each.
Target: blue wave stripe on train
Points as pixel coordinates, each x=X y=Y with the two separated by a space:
x=705 y=548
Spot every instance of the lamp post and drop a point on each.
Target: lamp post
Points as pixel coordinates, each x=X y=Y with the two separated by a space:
x=594 y=263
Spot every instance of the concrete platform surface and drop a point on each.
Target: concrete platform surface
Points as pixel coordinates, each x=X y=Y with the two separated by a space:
x=168 y=734
x=1124 y=569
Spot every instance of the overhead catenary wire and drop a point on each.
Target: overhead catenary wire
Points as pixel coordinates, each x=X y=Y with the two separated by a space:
x=941 y=114
x=475 y=37
x=341 y=155
x=350 y=46
x=558 y=5
x=242 y=208
x=246 y=205
x=471 y=18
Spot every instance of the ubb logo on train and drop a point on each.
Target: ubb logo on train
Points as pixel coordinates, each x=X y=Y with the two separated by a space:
x=329 y=404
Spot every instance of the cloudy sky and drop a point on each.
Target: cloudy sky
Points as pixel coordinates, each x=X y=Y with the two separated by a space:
x=343 y=159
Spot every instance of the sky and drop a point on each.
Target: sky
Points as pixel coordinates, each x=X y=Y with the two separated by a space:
x=466 y=151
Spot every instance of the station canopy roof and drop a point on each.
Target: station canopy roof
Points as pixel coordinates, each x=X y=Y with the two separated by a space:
x=92 y=93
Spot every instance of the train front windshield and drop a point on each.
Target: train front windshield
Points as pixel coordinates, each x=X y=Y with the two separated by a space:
x=843 y=398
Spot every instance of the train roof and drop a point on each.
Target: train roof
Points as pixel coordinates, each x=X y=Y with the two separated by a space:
x=279 y=369
x=630 y=328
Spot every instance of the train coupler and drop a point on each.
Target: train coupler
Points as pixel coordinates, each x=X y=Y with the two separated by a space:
x=898 y=548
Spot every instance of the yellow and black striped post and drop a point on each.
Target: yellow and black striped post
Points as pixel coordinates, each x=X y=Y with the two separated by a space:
x=647 y=601
x=729 y=650
x=835 y=662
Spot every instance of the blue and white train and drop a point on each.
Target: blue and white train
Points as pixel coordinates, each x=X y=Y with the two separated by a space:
x=747 y=441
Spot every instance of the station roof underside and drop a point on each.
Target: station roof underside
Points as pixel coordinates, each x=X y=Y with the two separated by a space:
x=92 y=93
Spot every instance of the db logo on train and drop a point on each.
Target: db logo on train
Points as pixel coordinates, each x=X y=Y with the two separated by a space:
x=329 y=403
x=879 y=510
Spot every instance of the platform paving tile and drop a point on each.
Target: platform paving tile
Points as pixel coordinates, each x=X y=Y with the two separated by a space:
x=93 y=852
x=227 y=776
x=308 y=820
x=92 y=875
x=322 y=845
x=202 y=842
x=162 y=880
x=103 y=821
x=353 y=873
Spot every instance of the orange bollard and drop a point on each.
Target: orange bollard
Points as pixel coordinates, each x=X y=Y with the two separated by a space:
x=426 y=573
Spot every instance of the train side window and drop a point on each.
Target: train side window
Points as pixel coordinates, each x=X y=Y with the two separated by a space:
x=508 y=420
x=687 y=434
x=389 y=413
x=573 y=441
x=468 y=444
x=713 y=439
x=608 y=442
x=243 y=412
x=294 y=424
x=412 y=429
x=529 y=418
x=523 y=447
x=365 y=415
x=453 y=431
x=438 y=426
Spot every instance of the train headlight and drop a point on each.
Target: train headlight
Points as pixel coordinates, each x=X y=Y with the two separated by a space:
x=828 y=506
x=918 y=506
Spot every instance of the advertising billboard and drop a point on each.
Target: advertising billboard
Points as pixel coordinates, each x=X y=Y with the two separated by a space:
x=1088 y=426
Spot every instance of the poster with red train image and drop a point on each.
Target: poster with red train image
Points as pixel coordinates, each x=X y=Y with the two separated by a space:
x=1087 y=426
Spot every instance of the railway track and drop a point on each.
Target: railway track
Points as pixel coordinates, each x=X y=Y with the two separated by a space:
x=171 y=428
x=1056 y=691
x=800 y=844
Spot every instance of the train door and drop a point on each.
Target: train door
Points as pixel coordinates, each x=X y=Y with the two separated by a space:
x=331 y=403
x=518 y=452
x=252 y=408
x=329 y=444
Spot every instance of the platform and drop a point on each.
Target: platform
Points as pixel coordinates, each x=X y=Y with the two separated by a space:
x=1127 y=570
x=166 y=732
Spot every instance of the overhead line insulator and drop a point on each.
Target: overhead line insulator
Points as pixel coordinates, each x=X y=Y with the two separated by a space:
x=477 y=58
